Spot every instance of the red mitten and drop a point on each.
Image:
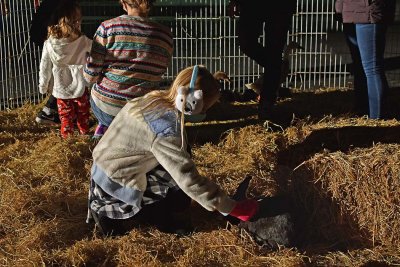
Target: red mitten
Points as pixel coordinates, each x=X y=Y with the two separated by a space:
x=245 y=209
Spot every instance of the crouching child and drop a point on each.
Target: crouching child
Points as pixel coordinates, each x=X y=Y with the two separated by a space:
x=141 y=169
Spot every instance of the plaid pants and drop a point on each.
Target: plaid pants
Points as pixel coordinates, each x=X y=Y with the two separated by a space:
x=159 y=182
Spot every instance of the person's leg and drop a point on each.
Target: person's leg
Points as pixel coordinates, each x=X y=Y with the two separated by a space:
x=371 y=41
x=111 y=216
x=177 y=201
x=277 y=25
x=360 y=80
x=276 y=29
x=67 y=114
x=52 y=103
x=82 y=107
x=103 y=118
x=49 y=113
x=250 y=26
x=170 y=214
x=157 y=206
x=164 y=204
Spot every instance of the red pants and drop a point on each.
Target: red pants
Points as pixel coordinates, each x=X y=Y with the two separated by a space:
x=71 y=109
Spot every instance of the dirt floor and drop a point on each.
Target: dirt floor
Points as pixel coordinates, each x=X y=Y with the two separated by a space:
x=342 y=172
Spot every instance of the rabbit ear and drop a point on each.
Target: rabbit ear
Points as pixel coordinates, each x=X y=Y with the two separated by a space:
x=181 y=90
x=198 y=94
x=241 y=190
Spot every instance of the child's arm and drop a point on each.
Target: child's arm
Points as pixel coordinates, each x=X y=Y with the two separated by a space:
x=178 y=163
x=95 y=61
x=45 y=72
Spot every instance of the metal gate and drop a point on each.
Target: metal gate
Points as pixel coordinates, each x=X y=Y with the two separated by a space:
x=203 y=34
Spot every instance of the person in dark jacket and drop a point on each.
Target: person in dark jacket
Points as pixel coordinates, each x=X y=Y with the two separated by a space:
x=250 y=26
x=365 y=24
x=42 y=18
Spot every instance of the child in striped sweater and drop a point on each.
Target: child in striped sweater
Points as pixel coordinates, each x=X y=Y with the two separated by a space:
x=129 y=55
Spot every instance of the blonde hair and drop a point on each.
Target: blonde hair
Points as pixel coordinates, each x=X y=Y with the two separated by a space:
x=160 y=101
x=143 y=6
x=66 y=20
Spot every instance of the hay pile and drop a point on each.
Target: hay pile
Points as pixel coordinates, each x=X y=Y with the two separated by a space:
x=345 y=183
x=363 y=191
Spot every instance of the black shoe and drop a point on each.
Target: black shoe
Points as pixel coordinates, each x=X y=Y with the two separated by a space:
x=267 y=116
x=113 y=227
x=43 y=118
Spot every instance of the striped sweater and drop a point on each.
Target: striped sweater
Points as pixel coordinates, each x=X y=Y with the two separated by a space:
x=128 y=57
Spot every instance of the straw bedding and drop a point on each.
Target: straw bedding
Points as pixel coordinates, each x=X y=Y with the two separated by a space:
x=345 y=185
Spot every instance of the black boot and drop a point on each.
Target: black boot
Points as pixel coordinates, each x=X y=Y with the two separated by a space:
x=113 y=227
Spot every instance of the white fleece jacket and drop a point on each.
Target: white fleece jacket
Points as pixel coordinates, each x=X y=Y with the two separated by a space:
x=135 y=143
x=61 y=67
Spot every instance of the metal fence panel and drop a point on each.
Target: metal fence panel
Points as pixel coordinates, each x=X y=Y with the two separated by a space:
x=19 y=59
x=203 y=34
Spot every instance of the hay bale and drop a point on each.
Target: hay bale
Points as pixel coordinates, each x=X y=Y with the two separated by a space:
x=352 y=197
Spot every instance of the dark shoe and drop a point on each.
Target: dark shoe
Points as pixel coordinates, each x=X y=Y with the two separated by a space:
x=113 y=227
x=264 y=115
x=267 y=116
x=100 y=131
x=44 y=118
x=248 y=95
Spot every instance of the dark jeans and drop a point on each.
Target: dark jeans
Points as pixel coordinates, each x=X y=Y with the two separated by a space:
x=367 y=46
x=250 y=26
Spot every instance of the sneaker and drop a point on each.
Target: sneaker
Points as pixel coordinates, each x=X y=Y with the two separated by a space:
x=100 y=131
x=44 y=118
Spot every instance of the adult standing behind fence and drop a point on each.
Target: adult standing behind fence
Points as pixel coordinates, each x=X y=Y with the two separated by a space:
x=365 y=25
x=129 y=55
x=277 y=20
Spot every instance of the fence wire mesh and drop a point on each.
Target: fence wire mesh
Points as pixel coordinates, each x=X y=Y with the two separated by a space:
x=203 y=34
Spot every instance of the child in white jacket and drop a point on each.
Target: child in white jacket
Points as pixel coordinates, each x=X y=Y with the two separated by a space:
x=61 y=68
x=142 y=172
